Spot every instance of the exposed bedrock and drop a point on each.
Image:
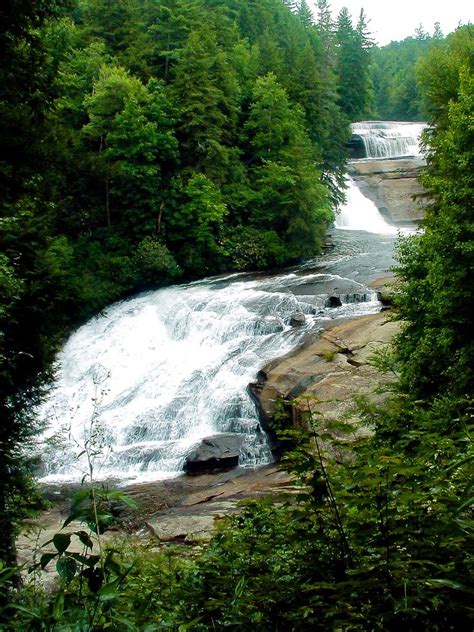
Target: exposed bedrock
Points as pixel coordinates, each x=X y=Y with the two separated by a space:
x=327 y=374
x=393 y=186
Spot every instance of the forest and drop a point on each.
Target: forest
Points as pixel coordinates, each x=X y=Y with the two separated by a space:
x=147 y=142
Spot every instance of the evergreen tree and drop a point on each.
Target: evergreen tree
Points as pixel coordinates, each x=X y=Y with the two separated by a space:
x=305 y=14
x=169 y=30
x=28 y=265
x=353 y=63
x=437 y=32
x=206 y=93
x=289 y=199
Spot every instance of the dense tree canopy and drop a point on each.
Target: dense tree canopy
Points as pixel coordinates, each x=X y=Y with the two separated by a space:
x=398 y=93
x=436 y=348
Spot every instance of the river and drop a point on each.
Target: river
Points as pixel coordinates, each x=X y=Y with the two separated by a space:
x=138 y=386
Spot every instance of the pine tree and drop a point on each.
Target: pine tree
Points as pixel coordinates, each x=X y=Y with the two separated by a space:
x=171 y=22
x=353 y=63
x=27 y=262
x=305 y=14
x=206 y=93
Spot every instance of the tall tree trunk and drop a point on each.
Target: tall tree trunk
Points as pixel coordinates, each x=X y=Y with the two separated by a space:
x=158 y=220
x=107 y=203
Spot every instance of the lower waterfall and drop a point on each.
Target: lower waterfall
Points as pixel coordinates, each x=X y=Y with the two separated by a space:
x=153 y=375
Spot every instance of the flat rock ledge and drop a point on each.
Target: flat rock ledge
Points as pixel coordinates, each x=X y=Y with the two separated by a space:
x=180 y=511
x=326 y=375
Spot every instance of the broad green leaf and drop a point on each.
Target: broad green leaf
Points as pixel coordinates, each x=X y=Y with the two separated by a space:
x=85 y=538
x=61 y=541
x=67 y=568
x=46 y=559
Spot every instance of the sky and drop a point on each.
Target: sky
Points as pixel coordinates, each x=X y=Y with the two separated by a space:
x=397 y=19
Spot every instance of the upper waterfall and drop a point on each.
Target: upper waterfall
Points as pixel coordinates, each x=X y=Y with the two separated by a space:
x=386 y=139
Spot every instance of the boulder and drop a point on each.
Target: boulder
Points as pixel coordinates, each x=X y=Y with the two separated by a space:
x=297 y=319
x=214 y=453
x=333 y=301
x=386 y=288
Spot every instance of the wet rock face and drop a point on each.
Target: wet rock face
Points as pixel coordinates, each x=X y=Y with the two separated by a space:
x=393 y=186
x=298 y=319
x=214 y=453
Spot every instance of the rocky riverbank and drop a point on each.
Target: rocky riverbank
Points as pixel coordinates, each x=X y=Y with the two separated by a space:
x=325 y=376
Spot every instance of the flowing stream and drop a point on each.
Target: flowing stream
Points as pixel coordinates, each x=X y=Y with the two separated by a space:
x=360 y=213
x=385 y=139
x=155 y=374
x=145 y=381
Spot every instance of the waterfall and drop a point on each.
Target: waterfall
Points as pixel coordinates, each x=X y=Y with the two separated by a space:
x=153 y=375
x=360 y=213
x=385 y=139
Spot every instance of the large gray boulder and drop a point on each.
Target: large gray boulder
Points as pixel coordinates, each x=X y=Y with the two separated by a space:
x=298 y=319
x=217 y=452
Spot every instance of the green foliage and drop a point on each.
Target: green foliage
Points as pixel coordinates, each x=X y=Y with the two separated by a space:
x=435 y=347
x=288 y=197
x=398 y=96
x=382 y=540
x=155 y=262
x=439 y=72
x=353 y=64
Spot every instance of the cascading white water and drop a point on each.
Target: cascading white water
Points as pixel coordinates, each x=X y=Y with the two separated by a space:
x=157 y=373
x=360 y=213
x=386 y=139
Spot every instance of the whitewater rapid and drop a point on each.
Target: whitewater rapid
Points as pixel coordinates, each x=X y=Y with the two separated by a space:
x=140 y=385
x=360 y=213
x=153 y=375
x=389 y=139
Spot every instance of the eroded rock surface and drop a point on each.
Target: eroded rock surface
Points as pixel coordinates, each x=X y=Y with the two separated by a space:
x=393 y=186
x=327 y=374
